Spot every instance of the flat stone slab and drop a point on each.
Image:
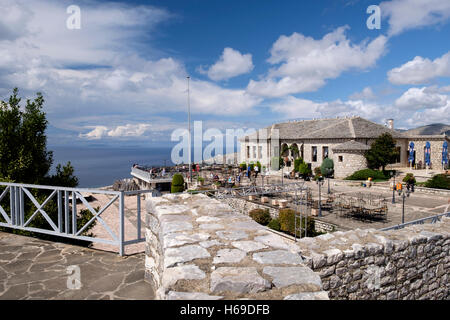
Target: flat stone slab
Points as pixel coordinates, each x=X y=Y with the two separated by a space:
x=287 y=276
x=174 y=256
x=321 y=295
x=232 y=235
x=248 y=246
x=211 y=226
x=238 y=280
x=207 y=219
x=173 y=295
x=188 y=272
x=170 y=209
x=229 y=256
x=103 y=275
x=176 y=226
x=178 y=239
x=210 y=243
x=273 y=241
x=277 y=257
x=245 y=225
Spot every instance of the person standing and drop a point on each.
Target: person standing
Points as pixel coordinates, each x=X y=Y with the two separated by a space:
x=256 y=168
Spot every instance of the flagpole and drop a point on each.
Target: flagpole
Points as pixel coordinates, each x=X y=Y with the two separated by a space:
x=189 y=128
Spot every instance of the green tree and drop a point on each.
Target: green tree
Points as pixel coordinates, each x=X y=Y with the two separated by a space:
x=177 y=183
x=382 y=152
x=327 y=167
x=297 y=163
x=304 y=169
x=24 y=158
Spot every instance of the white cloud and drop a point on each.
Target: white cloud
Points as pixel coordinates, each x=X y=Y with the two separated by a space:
x=304 y=64
x=420 y=70
x=365 y=94
x=293 y=107
x=409 y=14
x=96 y=133
x=421 y=98
x=231 y=64
x=296 y=108
x=129 y=130
x=89 y=75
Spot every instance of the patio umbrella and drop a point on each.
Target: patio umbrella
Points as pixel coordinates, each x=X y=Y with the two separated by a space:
x=411 y=152
x=445 y=153
x=427 y=153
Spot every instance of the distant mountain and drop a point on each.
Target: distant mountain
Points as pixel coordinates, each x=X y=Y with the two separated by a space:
x=431 y=129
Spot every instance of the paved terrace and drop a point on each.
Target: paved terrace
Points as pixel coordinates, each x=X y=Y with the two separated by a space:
x=35 y=269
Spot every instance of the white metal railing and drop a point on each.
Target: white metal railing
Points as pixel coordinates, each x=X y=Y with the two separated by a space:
x=432 y=219
x=146 y=175
x=66 y=203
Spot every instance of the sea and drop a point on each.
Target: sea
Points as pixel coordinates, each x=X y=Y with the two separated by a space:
x=101 y=166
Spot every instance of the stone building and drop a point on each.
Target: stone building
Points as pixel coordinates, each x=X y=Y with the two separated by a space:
x=344 y=140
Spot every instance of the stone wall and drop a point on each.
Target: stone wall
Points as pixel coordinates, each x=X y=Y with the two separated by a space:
x=412 y=263
x=199 y=248
x=351 y=161
x=321 y=226
x=436 y=151
x=243 y=206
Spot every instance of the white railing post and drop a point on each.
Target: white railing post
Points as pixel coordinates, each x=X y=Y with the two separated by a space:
x=121 y=224
x=139 y=216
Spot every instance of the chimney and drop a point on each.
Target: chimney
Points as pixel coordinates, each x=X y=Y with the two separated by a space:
x=390 y=124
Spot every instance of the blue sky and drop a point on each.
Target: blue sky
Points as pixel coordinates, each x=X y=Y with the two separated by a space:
x=121 y=78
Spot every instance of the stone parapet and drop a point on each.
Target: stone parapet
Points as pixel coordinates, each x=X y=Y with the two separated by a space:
x=411 y=263
x=200 y=248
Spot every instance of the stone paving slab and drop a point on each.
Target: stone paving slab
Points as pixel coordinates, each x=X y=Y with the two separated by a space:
x=36 y=269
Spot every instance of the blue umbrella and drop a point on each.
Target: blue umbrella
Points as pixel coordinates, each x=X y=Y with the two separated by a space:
x=427 y=153
x=411 y=152
x=445 y=153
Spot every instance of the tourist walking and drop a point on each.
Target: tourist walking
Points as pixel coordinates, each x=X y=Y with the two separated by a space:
x=256 y=168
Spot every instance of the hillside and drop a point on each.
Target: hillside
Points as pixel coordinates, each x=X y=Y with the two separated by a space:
x=431 y=129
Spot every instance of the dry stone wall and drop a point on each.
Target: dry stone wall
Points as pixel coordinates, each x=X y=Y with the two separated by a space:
x=244 y=206
x=412 y=263
x=199 y=248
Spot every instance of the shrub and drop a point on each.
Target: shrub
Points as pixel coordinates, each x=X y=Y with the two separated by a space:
x=409 y=178
x=262 y=216
x=200 y=179
x=177 y=183
x=297 y=163
x=259 y=165
x=367 y=173
x=286 y=218
x=327 y=167
x=317 y=171
x=243 y=166
x=304 y=169
x=439 y=181
x=274 y=224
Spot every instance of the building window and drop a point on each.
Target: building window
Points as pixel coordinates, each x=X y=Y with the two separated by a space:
x=248 y=152
x=324 y=153
x=314 y=154
x=259 y=152
x=341 y=158
x=254 y=152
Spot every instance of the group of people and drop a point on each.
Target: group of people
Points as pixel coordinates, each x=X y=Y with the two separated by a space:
x=255 y=171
